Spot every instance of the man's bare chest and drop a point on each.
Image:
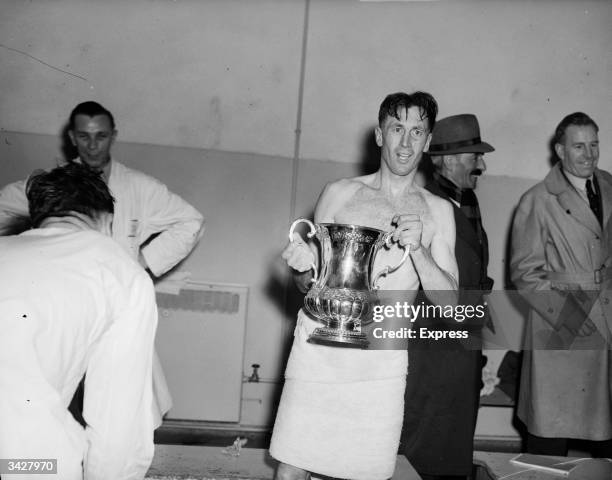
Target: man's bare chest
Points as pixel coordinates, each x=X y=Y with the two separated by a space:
x=370 y=208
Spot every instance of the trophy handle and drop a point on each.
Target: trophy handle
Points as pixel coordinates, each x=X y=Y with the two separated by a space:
x=389 y=269
x=310 y=234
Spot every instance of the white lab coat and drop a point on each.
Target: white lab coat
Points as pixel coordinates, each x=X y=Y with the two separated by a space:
x=73 y=301
x=143 y=206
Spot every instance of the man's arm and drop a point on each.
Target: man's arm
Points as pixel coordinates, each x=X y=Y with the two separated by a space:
x=14 y=214
x=433 y=261
x=179 y=227
x=118 y=405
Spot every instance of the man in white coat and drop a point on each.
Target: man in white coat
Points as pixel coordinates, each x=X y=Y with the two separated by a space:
x=561 y=261
x=144 y=209
x=72 y=300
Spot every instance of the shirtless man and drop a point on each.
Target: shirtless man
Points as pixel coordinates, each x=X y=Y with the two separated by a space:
x=341 y=410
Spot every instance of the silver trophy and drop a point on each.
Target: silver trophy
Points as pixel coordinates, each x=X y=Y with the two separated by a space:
x=343 y=291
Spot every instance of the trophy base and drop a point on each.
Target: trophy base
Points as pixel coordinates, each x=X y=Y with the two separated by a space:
x=338 y=338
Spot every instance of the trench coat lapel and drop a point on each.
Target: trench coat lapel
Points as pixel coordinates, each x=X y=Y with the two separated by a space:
x=570 y=200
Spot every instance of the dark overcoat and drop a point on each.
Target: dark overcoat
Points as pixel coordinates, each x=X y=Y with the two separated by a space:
x=444 y=377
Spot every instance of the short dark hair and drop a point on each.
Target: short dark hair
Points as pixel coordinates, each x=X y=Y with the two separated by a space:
x=90 y=109
x=64 y=190
x=394 y=103
x=576 y=118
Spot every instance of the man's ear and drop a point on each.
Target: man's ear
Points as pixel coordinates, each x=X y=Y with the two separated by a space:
x=427 y=142
x=378 y=135
x=71 y=136
x=449 y=162
x=104 y=223
x=560 y=151
x=436 y=160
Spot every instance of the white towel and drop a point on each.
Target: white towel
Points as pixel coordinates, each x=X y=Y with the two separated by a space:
x=341 y=410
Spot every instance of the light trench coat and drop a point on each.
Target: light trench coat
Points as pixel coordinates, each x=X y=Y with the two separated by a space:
x=143 y=207
x=561 y=261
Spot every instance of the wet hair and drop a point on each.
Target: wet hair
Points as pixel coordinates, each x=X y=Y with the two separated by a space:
x=394 y=103
x=90 y=109
x=65 y=190
x=577 y=118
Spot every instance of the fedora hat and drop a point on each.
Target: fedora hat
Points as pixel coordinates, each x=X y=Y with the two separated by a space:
x=457 y=134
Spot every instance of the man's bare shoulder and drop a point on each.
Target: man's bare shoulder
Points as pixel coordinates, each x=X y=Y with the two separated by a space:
x=336 y=194
x=350 y=185
x=436 y=204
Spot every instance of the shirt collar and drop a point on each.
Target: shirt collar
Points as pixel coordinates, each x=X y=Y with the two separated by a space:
x=110 y=166
x=578 y=182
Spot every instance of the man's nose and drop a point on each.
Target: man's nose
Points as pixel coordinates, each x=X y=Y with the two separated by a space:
x=406 y=139
x=588 y=152
x=92 y=144
x=480 y=163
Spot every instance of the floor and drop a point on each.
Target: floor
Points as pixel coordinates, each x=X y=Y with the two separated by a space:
x=172 y=436
x=173 y=462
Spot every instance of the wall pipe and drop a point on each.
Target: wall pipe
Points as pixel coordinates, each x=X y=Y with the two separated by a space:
x=296 y=156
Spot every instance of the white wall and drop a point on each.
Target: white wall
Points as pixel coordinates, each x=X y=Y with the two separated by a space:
x=224 y=74
x=519 y=65
x=219 y=74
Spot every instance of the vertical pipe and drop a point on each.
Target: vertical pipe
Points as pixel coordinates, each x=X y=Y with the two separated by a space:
x=285 y=328
x=298 y=123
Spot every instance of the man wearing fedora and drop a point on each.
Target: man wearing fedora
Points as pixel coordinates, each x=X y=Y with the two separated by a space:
x=444 y=381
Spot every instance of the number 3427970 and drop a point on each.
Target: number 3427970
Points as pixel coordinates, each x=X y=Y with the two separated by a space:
x=28 y=465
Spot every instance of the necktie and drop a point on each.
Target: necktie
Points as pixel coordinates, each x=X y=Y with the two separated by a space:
x=594 y=200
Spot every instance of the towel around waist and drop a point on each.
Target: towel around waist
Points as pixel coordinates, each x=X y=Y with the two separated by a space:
x=325 y=364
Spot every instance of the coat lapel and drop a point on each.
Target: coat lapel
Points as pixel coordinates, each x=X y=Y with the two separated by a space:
x=570 y=200
x=463 y=226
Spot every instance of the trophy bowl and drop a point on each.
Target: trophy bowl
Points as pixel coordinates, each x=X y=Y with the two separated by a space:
x=343 y=289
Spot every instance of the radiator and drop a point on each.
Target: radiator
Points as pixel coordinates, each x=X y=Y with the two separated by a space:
x=200 y=342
